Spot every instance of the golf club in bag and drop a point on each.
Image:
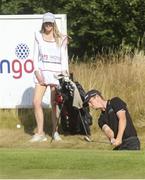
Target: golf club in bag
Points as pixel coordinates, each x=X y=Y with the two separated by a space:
x=73 y=117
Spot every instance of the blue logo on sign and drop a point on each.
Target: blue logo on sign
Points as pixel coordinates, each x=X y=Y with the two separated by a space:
x=22 y=51
x=16 y=66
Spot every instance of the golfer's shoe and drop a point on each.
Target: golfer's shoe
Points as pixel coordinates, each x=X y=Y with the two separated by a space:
x=38 y=138
x=56 y=137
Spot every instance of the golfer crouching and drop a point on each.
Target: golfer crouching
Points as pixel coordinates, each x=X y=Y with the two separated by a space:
x=115 y=121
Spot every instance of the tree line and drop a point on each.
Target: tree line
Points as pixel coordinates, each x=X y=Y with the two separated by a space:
x=95 y=26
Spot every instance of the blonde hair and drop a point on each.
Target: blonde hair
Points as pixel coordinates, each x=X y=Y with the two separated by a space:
x=56 y=33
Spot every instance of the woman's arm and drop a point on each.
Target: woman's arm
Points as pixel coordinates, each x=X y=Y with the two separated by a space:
x=39 y=77
x=64 y=56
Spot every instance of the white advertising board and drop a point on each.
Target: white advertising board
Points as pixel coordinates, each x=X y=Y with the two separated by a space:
x=16 y=58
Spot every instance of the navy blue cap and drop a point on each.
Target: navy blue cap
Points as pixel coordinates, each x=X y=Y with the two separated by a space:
x=90 y=94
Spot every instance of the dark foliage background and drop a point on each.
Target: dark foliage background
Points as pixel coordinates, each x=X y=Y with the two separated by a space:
x=94 y=25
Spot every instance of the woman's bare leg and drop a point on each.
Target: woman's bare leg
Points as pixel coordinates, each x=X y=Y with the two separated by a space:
x=37 y=104
x=53 y=114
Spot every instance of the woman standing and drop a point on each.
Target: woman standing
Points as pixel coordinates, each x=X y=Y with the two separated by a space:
x=50 y=59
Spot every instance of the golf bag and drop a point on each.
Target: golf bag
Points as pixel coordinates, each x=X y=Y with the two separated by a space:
x=73 y=120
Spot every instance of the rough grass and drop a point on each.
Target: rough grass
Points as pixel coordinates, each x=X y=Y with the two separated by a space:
x=120 y=75
x=18 y=138
x=125 y=79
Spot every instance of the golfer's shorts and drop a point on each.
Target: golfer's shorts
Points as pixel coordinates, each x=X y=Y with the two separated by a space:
x=131 y=143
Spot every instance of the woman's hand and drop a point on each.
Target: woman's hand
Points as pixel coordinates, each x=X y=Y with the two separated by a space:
x=65 y=73
x=39 y=77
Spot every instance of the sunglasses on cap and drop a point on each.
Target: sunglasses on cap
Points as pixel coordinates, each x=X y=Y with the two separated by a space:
x=49 y=24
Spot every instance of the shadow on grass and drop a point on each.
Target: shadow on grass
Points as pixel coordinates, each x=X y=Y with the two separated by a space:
x=26 y=114
x=27 y=119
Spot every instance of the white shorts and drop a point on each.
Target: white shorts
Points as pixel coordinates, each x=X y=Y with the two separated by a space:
x=49 y=77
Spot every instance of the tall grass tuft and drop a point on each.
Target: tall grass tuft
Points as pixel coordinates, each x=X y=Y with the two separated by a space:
x=120 y=75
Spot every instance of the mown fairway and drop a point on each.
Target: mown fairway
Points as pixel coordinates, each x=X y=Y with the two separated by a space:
x=70 y=163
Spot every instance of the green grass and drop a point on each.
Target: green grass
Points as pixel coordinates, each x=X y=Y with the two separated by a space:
x=70 y=163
